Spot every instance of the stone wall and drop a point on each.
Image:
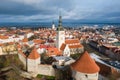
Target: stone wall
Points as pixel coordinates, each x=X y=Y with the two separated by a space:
x=46 y=70
x=33 y=65
x=22 y=58
x=84 y=76
x=104 y=70
x=1 y=52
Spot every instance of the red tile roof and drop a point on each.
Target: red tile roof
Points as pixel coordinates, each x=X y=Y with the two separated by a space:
x=71 y=46
x=25 y=40
x=11 y=43
x=34 y=54
x=3 y=37
x=38 y=41
x=19 y=46
x=85 y=64
x=54 y=51
x=63 y=47
x=71 y=41
x=1 y=44
x=76 y=46
x=45 y=46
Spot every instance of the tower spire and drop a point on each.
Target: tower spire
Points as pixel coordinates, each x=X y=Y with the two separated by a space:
x=60 y=28
x=60 y=21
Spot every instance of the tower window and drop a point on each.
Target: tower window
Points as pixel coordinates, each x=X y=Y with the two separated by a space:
x=86 y=76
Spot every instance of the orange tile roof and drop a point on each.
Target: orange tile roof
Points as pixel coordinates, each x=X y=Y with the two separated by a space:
x=19 y=46
x=11 y=43
x=3 y=37
x=34 y=54
x=71 y=41
x=85 y=64
x=76 y=46
x=63 y=47
x=53 y=51
x=84 y=36
x=1 y=44
x=25 y=40
x=38 y=41
x=71 y=46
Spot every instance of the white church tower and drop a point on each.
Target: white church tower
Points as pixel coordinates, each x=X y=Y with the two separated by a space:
x=53 y=26
x=60 y=34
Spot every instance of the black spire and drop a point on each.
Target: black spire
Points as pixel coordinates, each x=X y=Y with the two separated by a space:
x=60 y=21
x=60 y=28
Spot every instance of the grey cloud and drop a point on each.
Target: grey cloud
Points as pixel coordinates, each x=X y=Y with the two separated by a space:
x=71 y=10
x=15 y=8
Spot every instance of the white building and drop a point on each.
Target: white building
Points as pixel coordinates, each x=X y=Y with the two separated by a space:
x=53 y=26
x=71 y=46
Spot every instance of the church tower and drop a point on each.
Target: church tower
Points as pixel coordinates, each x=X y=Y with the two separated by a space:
x=60 y=34
x=53 y=26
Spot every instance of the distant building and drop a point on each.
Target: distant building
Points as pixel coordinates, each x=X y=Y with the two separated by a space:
x=53 y=26
x=94 y=44
x=71 y=46
x=25 y=40
x=107 y=67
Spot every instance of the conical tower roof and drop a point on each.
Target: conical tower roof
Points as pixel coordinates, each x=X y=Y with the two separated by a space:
x=34 y=54
x=85 y=64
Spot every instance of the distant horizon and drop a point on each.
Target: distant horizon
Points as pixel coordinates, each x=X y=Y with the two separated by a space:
x=66 y=22
x=49 y=24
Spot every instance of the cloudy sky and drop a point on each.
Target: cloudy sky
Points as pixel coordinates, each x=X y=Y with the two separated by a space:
x=71 y=10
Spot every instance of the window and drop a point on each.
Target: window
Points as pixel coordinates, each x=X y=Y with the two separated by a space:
x=86 y=76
